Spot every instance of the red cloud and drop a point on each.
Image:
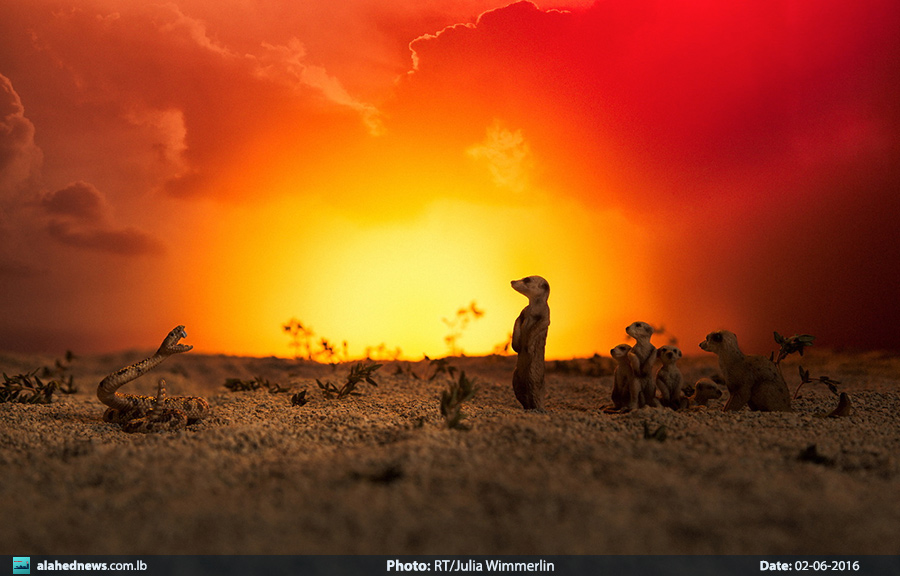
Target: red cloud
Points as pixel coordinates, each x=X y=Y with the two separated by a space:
x=221 y=117
x=675 y=96
x=754 y=141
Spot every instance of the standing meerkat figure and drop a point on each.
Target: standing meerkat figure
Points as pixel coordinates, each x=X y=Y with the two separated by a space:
x=669 y=380
x=752 y=381
x=626 y=389
x=529 y=339
x=645 y=352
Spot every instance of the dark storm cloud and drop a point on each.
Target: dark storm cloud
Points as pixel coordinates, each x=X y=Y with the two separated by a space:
x=120 y=241
x=79 y=200
x=80 y=217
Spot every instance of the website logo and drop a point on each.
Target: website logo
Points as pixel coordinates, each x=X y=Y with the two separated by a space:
x=21 y=564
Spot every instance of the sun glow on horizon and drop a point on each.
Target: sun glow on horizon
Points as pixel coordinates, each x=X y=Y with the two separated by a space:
x=393 y=283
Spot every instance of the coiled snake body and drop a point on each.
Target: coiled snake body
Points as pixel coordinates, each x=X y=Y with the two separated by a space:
x=137 y=413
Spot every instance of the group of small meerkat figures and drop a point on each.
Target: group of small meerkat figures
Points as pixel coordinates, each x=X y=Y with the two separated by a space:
x=635 y=385
x=752 y=381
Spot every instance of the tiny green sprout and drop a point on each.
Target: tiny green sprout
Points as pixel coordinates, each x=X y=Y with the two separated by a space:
x=67 y=385
x=58 y=374
x=328 y=388
x=811 y=454
x=299 y=399
x=457 y=392
x=441 y=366
x=405 y=369
x=659 y=434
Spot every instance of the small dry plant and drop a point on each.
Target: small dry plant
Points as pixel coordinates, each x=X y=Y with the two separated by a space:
x=330 y=354
x=405 y=369
x=302 y=338
x=434 y=368
x=440 y=366
x=258 y=382
x=502 y=349
x=659 y=434
x=452 y=398
x=31 y=389
x=358 y=374
x=27 y=389
x=806 y=379
x=797 y=343
x=60 y=374
x=383 y=353
x=458 y=324
x=299 y=399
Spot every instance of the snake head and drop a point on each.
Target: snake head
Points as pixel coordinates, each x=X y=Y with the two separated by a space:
x=171 y=346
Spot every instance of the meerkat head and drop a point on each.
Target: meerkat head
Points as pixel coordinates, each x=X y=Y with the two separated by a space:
x=668 y=354
x=720 y=340
x=620 y=351
x=638 y=330
x=534 y=287
x=706 y=389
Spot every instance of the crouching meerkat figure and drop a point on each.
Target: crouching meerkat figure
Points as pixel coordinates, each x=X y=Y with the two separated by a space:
x=752 y=381
x=529 y=339
x=645 y=352
x=669 y=380
x=705 y=390
x=626 y=388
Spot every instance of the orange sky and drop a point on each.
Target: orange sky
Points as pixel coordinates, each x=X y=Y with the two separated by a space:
x=371 y=166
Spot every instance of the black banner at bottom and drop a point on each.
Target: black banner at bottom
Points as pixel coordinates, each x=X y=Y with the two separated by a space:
x=455 y=565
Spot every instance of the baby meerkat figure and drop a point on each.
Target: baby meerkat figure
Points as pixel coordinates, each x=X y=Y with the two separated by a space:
x=752 y=381
x=669 y=380
x=529 y=339
x=645 y=352
x=705 y=390
x=626 y=388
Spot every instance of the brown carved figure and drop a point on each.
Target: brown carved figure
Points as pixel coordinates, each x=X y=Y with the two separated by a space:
x=752 y=381
x=669 y=380
x=645 y=352
x=705 y=390
x=528 y=340
x=626 y=388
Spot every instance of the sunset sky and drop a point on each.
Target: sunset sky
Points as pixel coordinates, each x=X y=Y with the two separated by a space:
x=371 y=166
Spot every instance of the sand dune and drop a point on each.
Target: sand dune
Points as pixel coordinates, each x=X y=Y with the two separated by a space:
x=381 y=473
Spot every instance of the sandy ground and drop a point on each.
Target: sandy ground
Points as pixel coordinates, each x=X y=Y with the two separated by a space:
x=382 y=474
